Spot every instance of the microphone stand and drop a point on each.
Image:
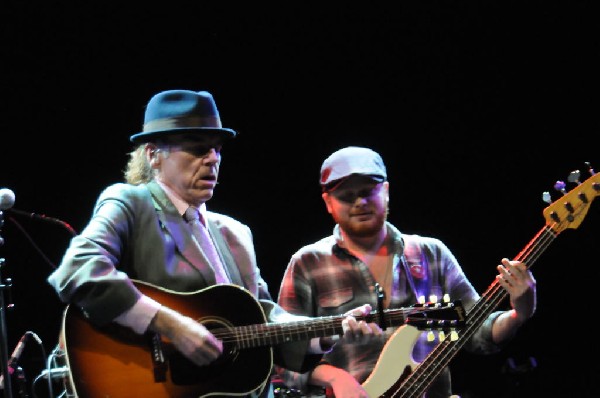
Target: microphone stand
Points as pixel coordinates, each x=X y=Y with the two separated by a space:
x=3 y=334
x=44 y=217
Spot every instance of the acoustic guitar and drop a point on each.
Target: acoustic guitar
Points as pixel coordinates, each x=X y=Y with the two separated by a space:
x=114 y=362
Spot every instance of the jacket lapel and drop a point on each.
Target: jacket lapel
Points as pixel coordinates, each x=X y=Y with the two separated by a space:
x=180 y=232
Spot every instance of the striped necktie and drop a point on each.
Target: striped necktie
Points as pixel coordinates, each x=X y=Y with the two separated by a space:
x=192 y=216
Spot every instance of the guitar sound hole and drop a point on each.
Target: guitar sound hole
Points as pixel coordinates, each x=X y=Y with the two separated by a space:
x=184 y=372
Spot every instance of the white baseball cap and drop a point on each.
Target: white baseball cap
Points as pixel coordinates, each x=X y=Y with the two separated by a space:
x=348 y=161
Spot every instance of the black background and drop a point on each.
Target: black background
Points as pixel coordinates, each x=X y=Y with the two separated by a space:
x=476 y=107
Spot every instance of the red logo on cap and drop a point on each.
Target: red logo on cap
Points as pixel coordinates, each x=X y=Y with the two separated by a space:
x=325 y=175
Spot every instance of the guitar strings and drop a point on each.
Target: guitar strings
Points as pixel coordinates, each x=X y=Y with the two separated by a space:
x=424 y=373
x=247 y=336
x=261 y=334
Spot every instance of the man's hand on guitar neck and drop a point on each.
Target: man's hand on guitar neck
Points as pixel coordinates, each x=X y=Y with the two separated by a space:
x=354 y=331
x=191 y=338
x=358 y=331
x=520 y=284
x=338 y=382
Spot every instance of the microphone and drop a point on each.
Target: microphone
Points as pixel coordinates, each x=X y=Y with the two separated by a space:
x=7 y=199
x=13 y=362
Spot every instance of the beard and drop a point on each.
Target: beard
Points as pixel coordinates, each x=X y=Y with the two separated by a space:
x=363 y=229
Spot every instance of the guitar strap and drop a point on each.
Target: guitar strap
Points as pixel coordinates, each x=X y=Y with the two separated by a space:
x=423 y=282
x=417 y=270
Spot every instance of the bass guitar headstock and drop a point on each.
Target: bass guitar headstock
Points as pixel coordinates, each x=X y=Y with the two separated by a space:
x=571 y=208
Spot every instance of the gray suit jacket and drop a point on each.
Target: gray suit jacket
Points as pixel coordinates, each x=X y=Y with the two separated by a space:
x=136 y=232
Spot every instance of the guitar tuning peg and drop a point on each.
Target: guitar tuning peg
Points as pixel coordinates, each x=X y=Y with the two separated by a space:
x=453 y=335
x=560 y=187
x=574 y=177
x=592 y=172
x=442 y=335
x=430 y=336
x=546 y=197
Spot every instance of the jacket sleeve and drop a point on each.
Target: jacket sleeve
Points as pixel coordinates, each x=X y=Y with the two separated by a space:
x=87 y=275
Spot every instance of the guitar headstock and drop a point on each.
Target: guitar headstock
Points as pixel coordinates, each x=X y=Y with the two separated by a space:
x=442 y=316
x=569 y=210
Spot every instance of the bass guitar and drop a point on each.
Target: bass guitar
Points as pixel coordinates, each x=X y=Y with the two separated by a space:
x=394 y=378
x=114 y=362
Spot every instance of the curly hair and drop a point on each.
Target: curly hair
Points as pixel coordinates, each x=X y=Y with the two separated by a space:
x=138 y=170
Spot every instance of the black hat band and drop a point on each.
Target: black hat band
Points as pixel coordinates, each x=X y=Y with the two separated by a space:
x=182 y=122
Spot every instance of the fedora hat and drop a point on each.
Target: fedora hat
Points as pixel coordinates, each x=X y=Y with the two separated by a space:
x=180 y=111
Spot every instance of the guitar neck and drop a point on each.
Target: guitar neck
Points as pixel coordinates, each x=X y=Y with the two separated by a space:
x=441 y=316
x=567 y=212
x=269 y=334
x=418 y=381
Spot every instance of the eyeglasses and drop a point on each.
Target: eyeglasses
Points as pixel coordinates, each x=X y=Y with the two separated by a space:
x=197 y=149
x=349 y=195
x=200 y=150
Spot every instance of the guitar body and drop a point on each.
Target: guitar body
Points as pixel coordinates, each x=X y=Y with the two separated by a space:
x=395 y=361
x=394 y=364
x=114 y=362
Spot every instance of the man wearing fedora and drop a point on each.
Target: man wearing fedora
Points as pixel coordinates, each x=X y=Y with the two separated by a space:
x=155 y=233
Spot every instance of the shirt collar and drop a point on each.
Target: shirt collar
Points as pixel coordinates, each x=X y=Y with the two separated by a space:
x=180 y=204
x=392 y=231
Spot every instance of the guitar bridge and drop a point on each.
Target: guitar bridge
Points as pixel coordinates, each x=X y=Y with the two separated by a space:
x=159 y=364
